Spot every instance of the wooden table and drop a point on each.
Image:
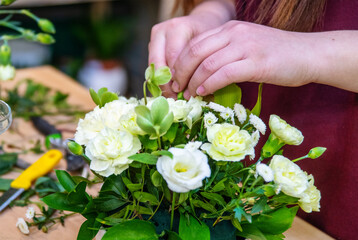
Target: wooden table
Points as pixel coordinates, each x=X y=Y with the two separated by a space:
x=54 y=79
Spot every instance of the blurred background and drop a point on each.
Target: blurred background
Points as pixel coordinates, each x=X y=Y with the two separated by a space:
x=98 y=42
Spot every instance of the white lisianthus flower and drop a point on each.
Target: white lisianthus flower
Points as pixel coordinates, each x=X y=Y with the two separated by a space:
x=209 y=119
x=89 y=127
x=310 y=200
x=282 y=130
x=110 y=149
x=228 y=142
x=30 y=213
x=264 y=171
x=179 y=108
x=185 y=171
x=240 y=112
x=216 y=107
x=7 y=72
x=192 y=146
x=196 y=104
x=289 y=176
x=22 y=225
x=257 y=123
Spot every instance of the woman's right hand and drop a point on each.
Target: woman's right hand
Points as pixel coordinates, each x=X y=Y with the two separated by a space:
x=169 y=38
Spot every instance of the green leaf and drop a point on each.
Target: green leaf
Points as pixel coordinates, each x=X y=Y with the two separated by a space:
x=145 y=158
x=162 y=76
x=193 y=229
x=146 y=197
x=78 y=195
x=108 y=203
x=171 y=133
x=251 y=232
x=215 y=197
x=219 y=186
x=147 y=143
x=156 y=178
x=154 y=90
x=89 y=228
x=173 y=236
x=134 y=187
x=7 y=161
x=206 y=206
x=235 y=222
x=101 y=91
x=160 y=108
x=149 y=72
x=259 y=205
x=239 y=212
x=163 y=153
x=108 y=97
x=114 y=183
x=66 y=180
x=228 y=95
x=129 y=230
x=283 y=198
x=59 y=201
x=166 y=123
x=5 y=184
x=275 y=222
x=95 y=97
x=257 y=108
x=144 y=119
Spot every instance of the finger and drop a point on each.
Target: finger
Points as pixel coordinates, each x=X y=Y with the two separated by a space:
x=240 y=71
x=192 y=55
x=212 y=64
x=174 y=45
x=167 y=90
x=156 y=49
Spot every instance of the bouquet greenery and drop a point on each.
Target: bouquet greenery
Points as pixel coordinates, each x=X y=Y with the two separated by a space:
x=175 y=169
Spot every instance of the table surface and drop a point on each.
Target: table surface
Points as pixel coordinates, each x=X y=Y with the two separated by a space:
x=78 y=95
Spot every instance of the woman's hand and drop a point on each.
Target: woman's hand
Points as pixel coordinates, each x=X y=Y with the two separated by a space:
x=239 y=51
x=169 y=38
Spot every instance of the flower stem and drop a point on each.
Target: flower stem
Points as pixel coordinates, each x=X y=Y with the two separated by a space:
x=145 y=92
x=300 y=158
x=172 y=213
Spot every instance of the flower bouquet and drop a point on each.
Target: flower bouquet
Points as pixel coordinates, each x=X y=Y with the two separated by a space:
x=178 y=169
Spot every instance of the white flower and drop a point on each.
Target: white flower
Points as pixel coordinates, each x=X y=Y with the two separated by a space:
x=7 y=72
x=185 y=171
x=22 y=225
x=264 y=171
x=196 y=104
x=30 y=213
x=110 y=149
x=289 y=175
x=255 y=137
x=228 y=113
x=179 y=108
x=258 y=123
x=278 y=189
x=209 y=119
x=282 y=130
x=310 y=200
x=216 y=107
x=228 y=143
x=240 y=112
x=192 y=146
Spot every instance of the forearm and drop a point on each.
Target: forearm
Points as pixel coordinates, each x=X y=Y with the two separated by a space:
x=337 y=59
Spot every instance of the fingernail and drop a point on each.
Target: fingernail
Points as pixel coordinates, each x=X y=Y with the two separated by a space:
x=186 y=94
x=200 y=91
x=175 y=87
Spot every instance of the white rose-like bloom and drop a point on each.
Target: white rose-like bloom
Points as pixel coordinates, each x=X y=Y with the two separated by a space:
x=281 y=129
x=228 y=143
x=310 y=200
x=209 y=119
x=30 y=213
x=258 y=123
x=192 y=146
x=240 y=112
x=179 y=108
x=110 y=149
x=22 y=225
x=196 y=104
x=264 y=171
x=185 y=171
x=289 y=176
x=7 y=72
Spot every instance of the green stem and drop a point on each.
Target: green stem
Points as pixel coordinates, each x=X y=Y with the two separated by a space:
x=212 y=178
x=145 y=92
x=300 y=158
x=172 y=213
x=255 y=182
x=243 y=185
x=159 y=143
x=160 y=202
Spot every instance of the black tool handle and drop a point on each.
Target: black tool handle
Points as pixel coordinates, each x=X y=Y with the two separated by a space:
x=44 y=126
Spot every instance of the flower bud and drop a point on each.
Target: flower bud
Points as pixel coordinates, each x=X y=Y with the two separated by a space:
x=75 y=148
x=45 y=38
x=44 y=229
x=46 y=26
x=6 y=2
x=29 y=35
x=5 y=54
x=316 y=152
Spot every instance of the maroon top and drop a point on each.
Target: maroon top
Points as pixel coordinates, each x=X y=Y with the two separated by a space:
x=327 y=117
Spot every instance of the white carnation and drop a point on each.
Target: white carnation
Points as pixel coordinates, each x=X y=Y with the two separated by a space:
x=110 y=149
x=185 y=171
x=179 y=108
x=286 y=133
x=196 y=104
x=258 y=123
x=22 y=225
x=264 y=171
x=310 y=200
x=209 y=119
x=240 y=112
